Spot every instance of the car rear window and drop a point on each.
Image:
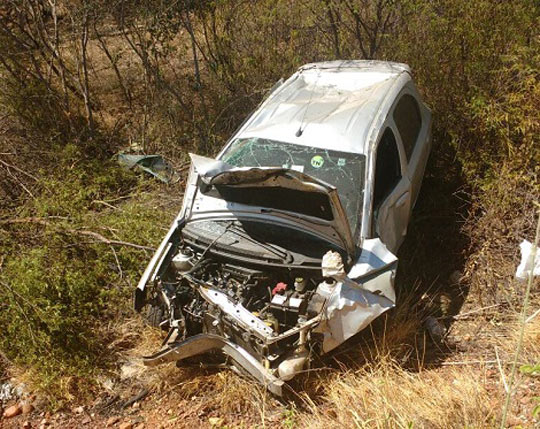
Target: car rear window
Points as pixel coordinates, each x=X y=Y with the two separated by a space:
x=409 y=121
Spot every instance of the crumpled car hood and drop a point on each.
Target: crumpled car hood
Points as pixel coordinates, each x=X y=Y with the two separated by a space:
x=329 y=210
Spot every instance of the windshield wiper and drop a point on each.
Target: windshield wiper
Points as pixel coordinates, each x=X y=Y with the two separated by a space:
x=281 y=252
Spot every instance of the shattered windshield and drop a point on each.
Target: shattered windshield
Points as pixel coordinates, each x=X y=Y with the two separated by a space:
x=343 y=170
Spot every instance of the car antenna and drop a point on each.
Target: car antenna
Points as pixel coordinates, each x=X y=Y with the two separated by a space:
x=300 y=130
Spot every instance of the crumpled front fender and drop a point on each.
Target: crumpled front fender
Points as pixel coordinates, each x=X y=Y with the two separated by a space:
x=158 y=262
x=360 y=297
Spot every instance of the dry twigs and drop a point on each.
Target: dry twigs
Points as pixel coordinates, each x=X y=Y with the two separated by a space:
x=523 y=321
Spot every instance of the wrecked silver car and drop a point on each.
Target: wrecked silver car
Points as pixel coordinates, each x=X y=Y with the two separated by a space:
x=285 y=244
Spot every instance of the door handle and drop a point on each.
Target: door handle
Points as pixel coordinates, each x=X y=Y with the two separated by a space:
x=402 y=200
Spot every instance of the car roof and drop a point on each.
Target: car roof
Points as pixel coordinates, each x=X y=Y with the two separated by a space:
x=334 y=104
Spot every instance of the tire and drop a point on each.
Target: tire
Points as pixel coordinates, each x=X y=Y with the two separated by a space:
x=156 y=313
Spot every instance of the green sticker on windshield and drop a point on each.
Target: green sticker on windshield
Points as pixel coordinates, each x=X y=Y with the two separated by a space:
x=317 y=161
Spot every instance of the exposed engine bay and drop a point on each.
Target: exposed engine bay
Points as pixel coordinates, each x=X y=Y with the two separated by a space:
x=262 y=289
x=266 y=310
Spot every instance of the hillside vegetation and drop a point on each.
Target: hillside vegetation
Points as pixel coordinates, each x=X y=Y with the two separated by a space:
x=82 y=80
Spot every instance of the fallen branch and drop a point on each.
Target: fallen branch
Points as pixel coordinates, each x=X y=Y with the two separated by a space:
x=469 y=362
x=105 y=240
x=501 y=372
x=141 y=395
x=470 y=313
x=18 y=181
x=106 y=204
x=532 y=316
x=5 y=164
x=37 y=220
x=84 y=232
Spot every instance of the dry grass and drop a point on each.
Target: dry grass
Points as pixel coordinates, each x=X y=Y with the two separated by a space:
x=531 y=339
x=384 y=379
x=453 y=394
x=387 y=396
x=376 y=393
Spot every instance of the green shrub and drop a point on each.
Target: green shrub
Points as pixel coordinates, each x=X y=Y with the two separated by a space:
x=60 y=291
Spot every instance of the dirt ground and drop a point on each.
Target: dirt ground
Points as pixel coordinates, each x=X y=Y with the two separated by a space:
x=479 y=344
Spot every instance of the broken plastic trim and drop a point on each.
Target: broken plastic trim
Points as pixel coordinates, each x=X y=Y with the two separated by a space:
x=154 y=165
x=203 y=343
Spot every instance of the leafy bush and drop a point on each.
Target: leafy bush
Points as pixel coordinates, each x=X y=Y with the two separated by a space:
x=61 y=290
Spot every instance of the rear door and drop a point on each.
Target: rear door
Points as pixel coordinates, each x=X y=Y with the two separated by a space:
x=392 y=190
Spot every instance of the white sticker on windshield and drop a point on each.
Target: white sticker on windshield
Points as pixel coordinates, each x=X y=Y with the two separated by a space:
x=299 y=168
x=341 y=162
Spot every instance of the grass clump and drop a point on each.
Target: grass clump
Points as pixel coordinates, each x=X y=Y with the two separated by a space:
x=386 y=396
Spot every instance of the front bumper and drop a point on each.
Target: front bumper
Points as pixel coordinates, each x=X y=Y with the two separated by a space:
x=203 y=343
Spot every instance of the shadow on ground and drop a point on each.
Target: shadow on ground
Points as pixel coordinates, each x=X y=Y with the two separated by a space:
x=435 y=248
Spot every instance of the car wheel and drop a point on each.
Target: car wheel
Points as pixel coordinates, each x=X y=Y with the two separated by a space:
x=156 y=313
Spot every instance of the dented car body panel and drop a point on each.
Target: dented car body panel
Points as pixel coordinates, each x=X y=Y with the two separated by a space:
x=285 y=244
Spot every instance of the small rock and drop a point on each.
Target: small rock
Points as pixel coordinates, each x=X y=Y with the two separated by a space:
x=27 y=425
x=10 y=391
x=12 y=411
x=78 y=410
x=27 y=408
x=113 y=420
x=435 y=328
x=215 y=421
x=136 y=405
x=125 y=425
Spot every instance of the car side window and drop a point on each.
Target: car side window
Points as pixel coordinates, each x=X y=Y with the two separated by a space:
x=408 y=121
x=387 y=168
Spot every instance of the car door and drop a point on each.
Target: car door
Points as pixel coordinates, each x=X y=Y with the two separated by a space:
x=413 y=122
x=392 y=190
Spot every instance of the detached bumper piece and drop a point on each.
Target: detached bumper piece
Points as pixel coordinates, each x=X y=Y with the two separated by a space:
x=203 y=343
